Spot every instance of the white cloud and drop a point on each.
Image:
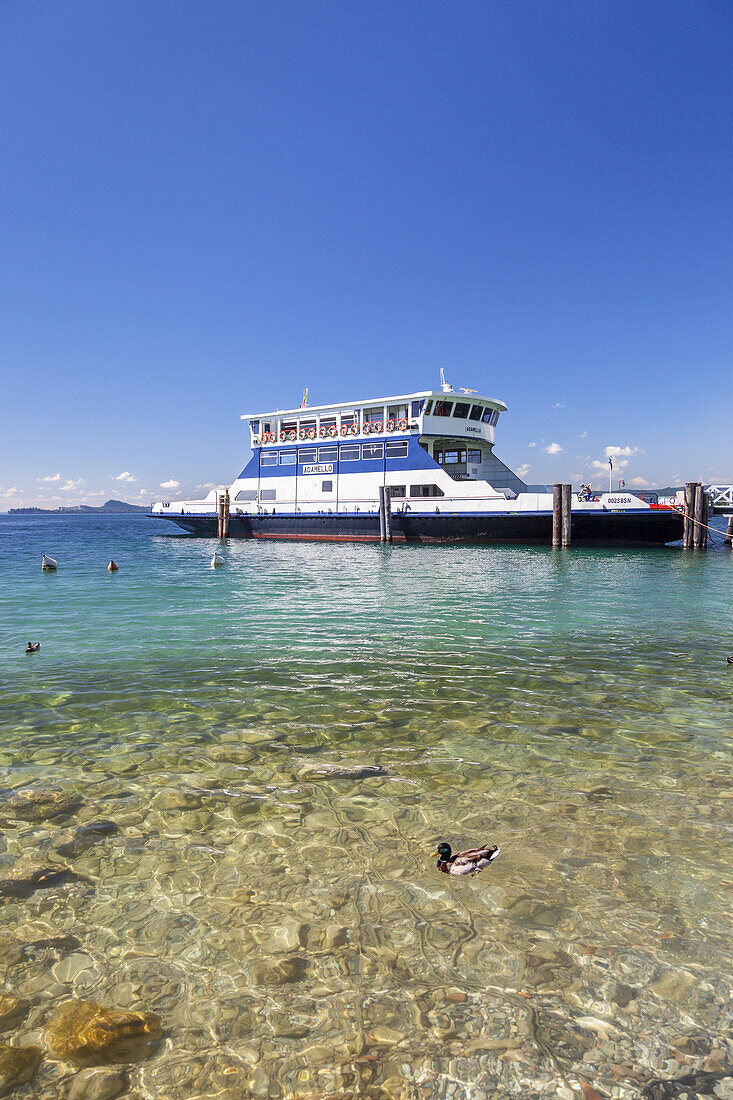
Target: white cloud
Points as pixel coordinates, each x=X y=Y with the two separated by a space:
x=523 y=470
x=531 y=444
x=583 y=434
x=124 y=476
x=10 y=492
x=51 y=477
x=596 y=465
x=552 y=449
x=71 y=485
x=558 y=405
x=639 y=482
x=172 y=484
x=622 y=452
x=620 y=456
x=207 y=485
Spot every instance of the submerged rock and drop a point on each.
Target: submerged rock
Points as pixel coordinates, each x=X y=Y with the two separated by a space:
x=281 y=972
x=17 y=1065
x=98 y=1084
x=87 y=1033
x=31 y=873
x=42 y=804
x=85 y=837
x=13 y=1010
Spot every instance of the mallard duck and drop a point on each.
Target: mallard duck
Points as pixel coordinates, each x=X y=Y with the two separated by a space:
x=469 y=862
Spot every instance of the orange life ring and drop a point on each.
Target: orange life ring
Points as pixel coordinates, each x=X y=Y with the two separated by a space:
x=344 y=429
x=366 y=427
x=282 y=437
x=377 y=426
x=322 y=433
x=301 y=433
x=402 y=425
x=291 y=436
x=311 y=433
x=331 y=432
x=391 y=425
x=354 y=429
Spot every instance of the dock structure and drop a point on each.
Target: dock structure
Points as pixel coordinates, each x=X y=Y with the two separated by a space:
x=385 y=514
x=222 y=531
x=696 y=512
x=562 y=497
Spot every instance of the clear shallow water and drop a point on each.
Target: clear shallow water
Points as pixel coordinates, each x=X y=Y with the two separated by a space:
x=279 y=909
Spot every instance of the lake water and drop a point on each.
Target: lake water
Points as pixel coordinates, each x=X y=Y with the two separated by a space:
x=281 y=744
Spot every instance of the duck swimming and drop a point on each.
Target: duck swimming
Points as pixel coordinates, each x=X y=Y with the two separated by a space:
x=33 y=647
x=469 y=862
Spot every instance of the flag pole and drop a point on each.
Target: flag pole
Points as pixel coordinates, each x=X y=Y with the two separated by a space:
x=610 y=474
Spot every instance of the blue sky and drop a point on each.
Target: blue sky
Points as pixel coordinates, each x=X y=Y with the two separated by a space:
x=208 y=206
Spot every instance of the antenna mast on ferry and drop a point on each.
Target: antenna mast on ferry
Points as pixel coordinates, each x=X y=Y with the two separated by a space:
x=445 y=386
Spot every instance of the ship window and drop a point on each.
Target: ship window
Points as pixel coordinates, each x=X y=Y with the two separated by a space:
x=426 y=491
x=326 y=486
x=347 y=419
x=349 y=454
x=416 y=407
x=307 y=425
x=373 y=416
x=327 y=454
x=255 y=426
x=461 y=410
x=443 y=408
x=267 y=426
x=247 y=494
x=373 y=450
x=452 y=458
x=488 y=413
x=308 y=455
x=397 y=490
x=328 y=421
x=288 y=426
x=268 y=494
x=494 y=417
x=428 y=407
x=287 y=458
x=475 y=413
x=474 y=456
x=268 y=458
x=397 y=449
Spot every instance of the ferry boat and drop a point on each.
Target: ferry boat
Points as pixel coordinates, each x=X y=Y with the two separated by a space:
x=316 y=473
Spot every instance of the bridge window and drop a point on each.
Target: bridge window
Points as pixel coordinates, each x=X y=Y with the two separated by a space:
x=372 y=450
x=255 y=426
x=475 y=413
x=268 y=458
x=396 y=491
x=474 y=457
x=443 y=408
x=428 y=407
x=268 y=494
x=416 y=408
x=426 y=491
x=287 y=458
x=327 y=454
x=397 y=449
x=461 y=410
x=307 y=455
x=247 y=494
x=349 y=453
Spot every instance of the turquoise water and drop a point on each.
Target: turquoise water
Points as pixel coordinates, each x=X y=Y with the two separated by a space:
x=277 y=905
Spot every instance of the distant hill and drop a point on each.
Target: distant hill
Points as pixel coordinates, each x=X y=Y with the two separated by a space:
x=81 y=509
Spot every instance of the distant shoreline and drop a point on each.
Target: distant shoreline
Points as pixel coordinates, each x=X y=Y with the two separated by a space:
x=110 y=507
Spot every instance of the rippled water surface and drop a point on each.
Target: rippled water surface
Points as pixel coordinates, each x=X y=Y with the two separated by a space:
x=281 y=743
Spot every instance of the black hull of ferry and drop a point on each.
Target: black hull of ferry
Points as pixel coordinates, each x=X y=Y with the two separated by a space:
x=644 y=528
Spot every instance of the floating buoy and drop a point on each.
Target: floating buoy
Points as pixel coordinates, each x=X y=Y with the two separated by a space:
x=218 y=559
x=48 y=564
x=113 y=566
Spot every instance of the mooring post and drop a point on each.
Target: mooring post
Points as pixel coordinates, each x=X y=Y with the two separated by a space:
x=382 y=523
x=689 y=514
x=225 y=524
x=567 y=506
x=387 y=514
x=705 y=515
x=728 y=540
x=556 y=515
x=220 y=515
x=699 y=530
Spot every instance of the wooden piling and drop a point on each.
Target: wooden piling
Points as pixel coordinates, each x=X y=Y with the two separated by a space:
x=689 y=514
x=728 y=540
x=567 y=497
x=225 y=519
x=382 y=524
x=387 y=514
x=220 y=516
x=556 y=515
x=705 y=518
x=699 y=509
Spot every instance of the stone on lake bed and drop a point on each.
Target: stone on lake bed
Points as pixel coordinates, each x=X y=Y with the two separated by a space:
x=86 y=1033
x=13 y=1010
x=42 y=804
x=17 y=1065
x=98 y=1084
x=85 y=837
x=31 y=873
x=281 y=971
